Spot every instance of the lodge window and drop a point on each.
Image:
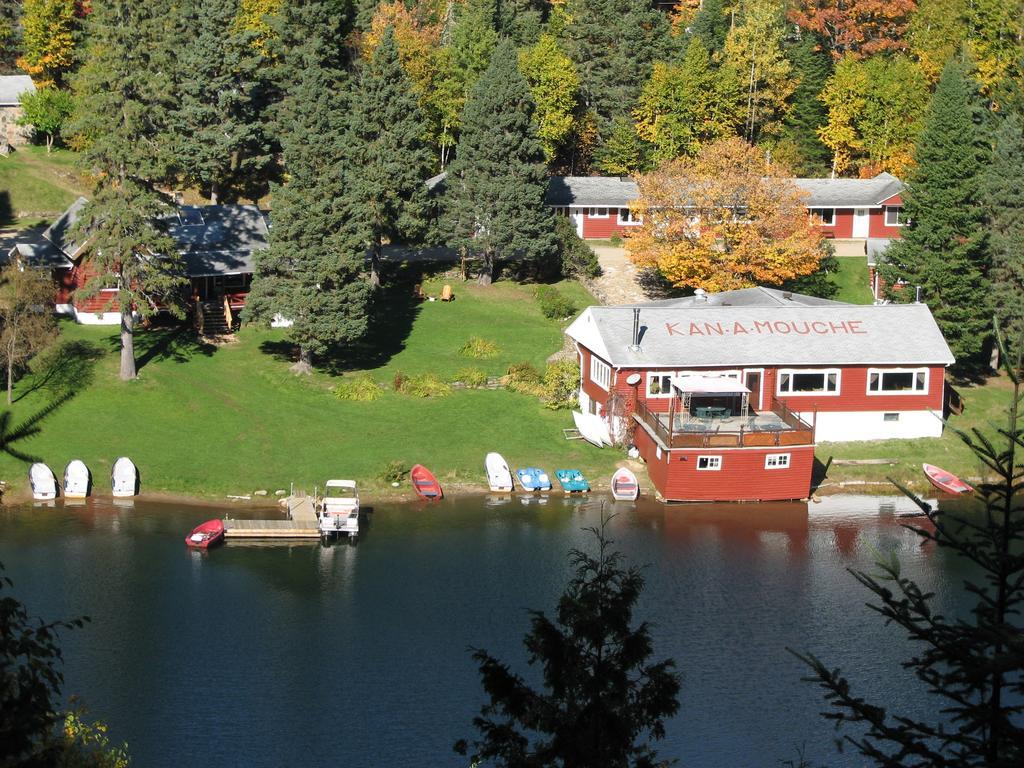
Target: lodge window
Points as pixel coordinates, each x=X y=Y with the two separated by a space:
x=776 y=461
x=804 y=382
x=626 y=216
x=600 y=373
x=709 y=463
x=827 y=216
x=599 y=213
x=561 y=210
x=659 y=385
x=894 y=216
x=897 y=381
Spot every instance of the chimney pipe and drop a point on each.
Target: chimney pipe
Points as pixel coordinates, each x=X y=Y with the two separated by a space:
x=917 y=294
x=635 y=346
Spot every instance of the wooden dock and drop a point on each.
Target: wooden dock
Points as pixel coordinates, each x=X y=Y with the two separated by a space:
x=301 y=523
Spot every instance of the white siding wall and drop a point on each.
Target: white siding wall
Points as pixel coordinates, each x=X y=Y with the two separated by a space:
x=871 y=425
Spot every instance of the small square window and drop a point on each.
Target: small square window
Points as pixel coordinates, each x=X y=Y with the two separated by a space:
x=706 y=463
x=776 y=461
x=894 y=216
x=827 y=216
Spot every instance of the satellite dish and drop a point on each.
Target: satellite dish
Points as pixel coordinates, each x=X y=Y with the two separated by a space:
x=633 y=379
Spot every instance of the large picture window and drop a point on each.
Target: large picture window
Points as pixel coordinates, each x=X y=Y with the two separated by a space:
x=809 y=382
x=599 y=213
x=627 y=217
x=600 y=373
x=897 y=381
x=827 y=216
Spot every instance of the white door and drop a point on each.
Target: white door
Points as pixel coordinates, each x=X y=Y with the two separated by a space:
x=576 y=217
x=860 y=222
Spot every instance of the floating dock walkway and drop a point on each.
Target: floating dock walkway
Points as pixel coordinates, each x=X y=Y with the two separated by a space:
x=301 y=523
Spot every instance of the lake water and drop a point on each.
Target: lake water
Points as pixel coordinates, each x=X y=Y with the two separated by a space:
x=297 y=654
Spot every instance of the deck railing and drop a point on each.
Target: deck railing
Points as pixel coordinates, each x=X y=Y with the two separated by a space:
x=723 y=435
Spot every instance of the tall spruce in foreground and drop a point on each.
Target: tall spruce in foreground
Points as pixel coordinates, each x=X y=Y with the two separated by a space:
x=389 y=159
x=602 y=697
x=495 y=201
x=312 y=271
x=972 y=664
x=1004 y=199
x=943 y=248
x=121 y=110
x=218 y=143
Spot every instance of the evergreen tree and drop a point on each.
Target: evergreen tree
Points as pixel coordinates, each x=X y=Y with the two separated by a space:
x=1004 y=199
x=121 y=110
x=601 y=698
x=800 y=146
x=710 y=26
x=312 y=271
x=216 y=124
x=496 y=186
x=614 y=44
x=624 y=152
x=388 y=157
x=971 y=663
x=943 y=248
x=10 y=36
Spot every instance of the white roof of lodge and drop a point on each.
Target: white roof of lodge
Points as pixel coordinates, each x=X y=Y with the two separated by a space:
x=743 y=336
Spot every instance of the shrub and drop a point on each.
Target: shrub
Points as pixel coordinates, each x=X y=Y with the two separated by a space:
x=472 y=377
x=561 y=384
x=479 y=349
x=362 y=388
x=616 y=240
x=524 y=378
x=399 y=381
x=394 y=472
x=424 y=385
x=552 y=303
x=577 y=259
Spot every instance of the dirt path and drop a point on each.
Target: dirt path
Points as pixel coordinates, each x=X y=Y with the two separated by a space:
x=618 y=284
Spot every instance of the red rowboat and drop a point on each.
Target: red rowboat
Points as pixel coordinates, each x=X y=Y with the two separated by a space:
x=206 y=535
x=425 y=484
x=945 y=481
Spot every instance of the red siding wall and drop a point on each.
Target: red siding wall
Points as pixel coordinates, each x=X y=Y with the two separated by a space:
x=877 y=225
x=843 y=226
x=601 y=229
x=79 y=277
x=853 y=396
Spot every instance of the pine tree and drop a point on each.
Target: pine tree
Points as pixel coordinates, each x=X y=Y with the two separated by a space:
x=624 y=152
x=800 y=146
x=601 y=697
x=388 y=156
x=122 y=96
x=216 y=124
x=614 y=44
x=10 y=35
x=710 y=26
x=496 y=186
x=972 y=663
x=943 y=249
x=312 y=271
x=1004 y=199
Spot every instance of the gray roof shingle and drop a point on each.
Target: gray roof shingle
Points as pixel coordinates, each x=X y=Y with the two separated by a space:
x=607 y=191
x=12 y=86
x=849 y=193
x=745 y=297
x=715 y=336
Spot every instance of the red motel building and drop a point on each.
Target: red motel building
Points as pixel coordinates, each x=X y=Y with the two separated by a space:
x=725 y=396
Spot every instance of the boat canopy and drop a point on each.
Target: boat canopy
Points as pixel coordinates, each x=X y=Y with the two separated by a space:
x=698 y=384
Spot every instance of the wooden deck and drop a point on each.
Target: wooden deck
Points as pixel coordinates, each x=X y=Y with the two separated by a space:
x=301 y=525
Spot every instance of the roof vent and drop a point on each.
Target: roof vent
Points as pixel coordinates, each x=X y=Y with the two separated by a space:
x=635 y=346
x=787 y=295
x=700 y=295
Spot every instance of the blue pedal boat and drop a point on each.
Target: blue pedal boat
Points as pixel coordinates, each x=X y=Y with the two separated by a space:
x=533 y=479
x=572 y=480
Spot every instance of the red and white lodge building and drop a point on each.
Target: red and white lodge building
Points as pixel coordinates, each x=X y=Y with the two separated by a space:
x=860 y=216
x=725 y=395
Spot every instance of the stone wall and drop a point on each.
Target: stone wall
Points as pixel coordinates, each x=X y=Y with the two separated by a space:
x=10 y=131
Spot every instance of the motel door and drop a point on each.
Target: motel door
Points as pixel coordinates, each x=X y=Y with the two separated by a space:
x=576 y=217
x=860 y=222
x=752 y=379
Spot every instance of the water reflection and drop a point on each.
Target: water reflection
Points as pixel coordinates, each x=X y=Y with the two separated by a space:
x=376 y=633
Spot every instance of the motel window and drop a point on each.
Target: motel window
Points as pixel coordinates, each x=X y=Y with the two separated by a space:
x=894 y=216
x=626 y=216
x=709 y=463
x=890 y=417
x=827 y=216
x=897 y=381
x=804 y=382
x=776 y=461
x=600 y=373
x=599 y=213
x=659 y=384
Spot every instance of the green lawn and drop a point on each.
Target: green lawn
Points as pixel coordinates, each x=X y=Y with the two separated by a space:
x=232 y=419
x=852 y=279
x=35 y=185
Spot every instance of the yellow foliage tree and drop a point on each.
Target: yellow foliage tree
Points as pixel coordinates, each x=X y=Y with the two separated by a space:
x=48 y=40
x=724 y=220
x=257 y=16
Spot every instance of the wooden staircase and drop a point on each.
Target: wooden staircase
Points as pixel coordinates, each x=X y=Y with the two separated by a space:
x=211 y=319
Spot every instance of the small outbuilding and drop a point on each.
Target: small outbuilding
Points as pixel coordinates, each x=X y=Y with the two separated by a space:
x=11 y=89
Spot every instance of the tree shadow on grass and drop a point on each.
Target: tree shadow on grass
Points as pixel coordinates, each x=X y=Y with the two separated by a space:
x=175 y=342
x=391 y=317
x=30 y=427
x=6 y=210
x=66 y=367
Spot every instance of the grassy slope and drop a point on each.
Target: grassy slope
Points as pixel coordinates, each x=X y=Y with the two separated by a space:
x=233 y=419
x=852 y=279
x=37 y=184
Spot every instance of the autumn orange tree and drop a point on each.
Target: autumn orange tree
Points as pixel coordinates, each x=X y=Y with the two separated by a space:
x=856 y=28
x=724 y=220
